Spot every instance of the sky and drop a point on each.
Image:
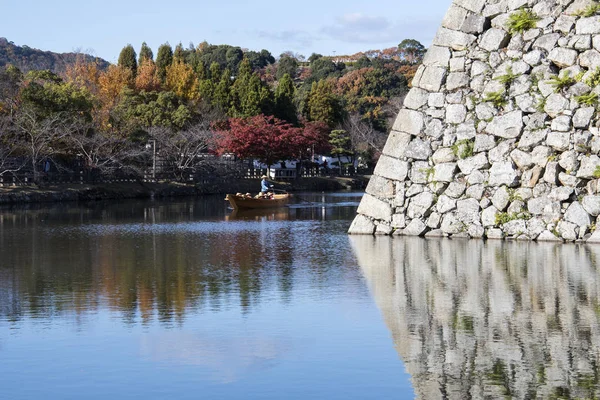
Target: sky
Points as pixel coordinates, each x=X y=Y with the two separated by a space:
x=103 y=28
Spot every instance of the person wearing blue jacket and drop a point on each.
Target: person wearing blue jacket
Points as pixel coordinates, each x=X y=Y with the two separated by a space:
x=265 y=186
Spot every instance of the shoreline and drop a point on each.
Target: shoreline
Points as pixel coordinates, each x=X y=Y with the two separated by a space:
x=74 y=192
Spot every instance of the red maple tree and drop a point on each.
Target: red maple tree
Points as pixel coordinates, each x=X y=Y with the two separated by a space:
x=269 y=139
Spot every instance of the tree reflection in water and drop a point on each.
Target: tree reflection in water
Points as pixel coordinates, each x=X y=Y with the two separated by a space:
x=474 y=319
x=154 y=262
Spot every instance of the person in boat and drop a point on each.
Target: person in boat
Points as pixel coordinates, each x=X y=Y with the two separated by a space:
x=265 y=188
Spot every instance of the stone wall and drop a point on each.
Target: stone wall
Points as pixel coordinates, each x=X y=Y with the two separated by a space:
x=499 y=136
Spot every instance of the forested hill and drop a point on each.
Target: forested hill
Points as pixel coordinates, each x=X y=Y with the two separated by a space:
x=26 y=58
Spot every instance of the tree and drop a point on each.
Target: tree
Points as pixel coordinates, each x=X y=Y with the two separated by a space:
x=179 y=54
x=284 y=100
x=411 y=50
x=313 y=57
x=102 y=152
x=249 y=96
x=184 y=149
x=145 y=54
x=147 y=78
x=323 y=104
x=260 y=59
x=10 y=82
x=340 y=144
x=182 y=81
x=127 y=59
x=363 y=62
x=322 y=68
x=164 y=58
x=263 y=137
x=111 y=82
x=313 y=136
x=137 y=111
x=287 y=65
x=234 y=56
x=364 y=138
x=221 y=97
x=42 y=134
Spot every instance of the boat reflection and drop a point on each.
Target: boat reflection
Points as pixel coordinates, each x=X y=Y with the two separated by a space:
x=271 y=214
x=474 y=319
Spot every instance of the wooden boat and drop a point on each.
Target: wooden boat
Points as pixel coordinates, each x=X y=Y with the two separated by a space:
x=242 y=202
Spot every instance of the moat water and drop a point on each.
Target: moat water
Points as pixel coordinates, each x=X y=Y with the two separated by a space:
x=185 y=299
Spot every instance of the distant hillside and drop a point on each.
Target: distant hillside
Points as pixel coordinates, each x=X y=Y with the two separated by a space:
x=25 y=58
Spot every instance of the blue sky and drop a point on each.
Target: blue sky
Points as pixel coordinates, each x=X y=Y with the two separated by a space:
x=104 y=27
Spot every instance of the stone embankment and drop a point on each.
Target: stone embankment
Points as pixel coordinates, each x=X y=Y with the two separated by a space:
x=499 y=136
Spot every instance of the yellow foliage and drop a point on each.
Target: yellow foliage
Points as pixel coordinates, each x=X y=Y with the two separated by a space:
x=182 y=80
x=111 y=83
x=147 y=77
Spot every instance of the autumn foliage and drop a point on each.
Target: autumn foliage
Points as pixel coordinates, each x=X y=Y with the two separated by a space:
x=269 y=139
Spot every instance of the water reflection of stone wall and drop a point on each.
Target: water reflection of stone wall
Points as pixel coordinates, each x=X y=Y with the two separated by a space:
x=475 y=319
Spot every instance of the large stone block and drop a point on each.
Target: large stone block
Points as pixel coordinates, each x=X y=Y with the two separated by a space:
x=588 y=167
x=455 y=113
x=532 y=138
x=396 y=144
x=437 y=56
x=454 y=18
x=508 y=125
x=381 y=187
x=444 y=172
x=391 y=168
x=432 y=79
x=591 y=204
x=577 y=215
x=537 y=205
x=457 y=80
x=555 y=104
x=416 y=98
x=445 y=204
x=443 y=155
x=586 y=26
x=418 y=149
x=456 y=40
x=559 y=140
x=494 y=39
x=475 y=6
x=547 y=42
x=503 y=173
x=521 y=158
x=467 y=211
x=362 y=226
x=563 y=57
x=452 y=225
x=416 y=227
x=475 y=162
x=409 y=121
x=473 y=24
x=420 y=205
x=375 y=208
x=590 y=59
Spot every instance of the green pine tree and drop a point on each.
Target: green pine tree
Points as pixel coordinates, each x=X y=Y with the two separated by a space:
x=164 y=58
x=127 y=59
x=145 y=54
x=284 y=100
